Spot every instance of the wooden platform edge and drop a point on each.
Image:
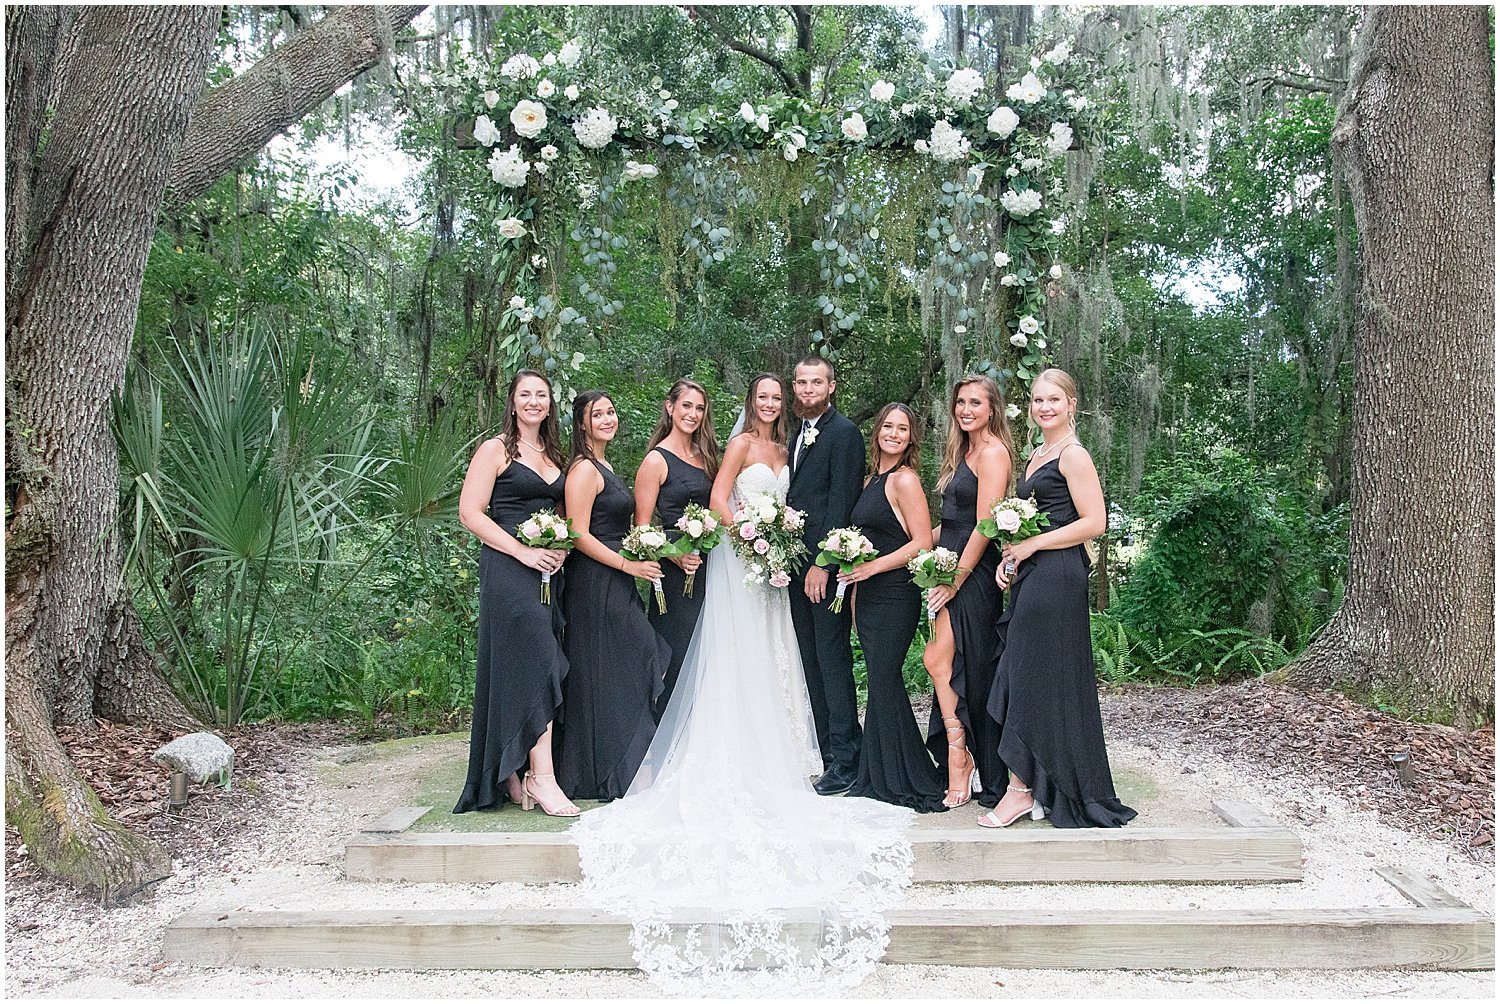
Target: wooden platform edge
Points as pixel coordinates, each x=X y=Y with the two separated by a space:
x=1237 y=813
x=1322 y=939
x=1420 y=890
x=1208 y=854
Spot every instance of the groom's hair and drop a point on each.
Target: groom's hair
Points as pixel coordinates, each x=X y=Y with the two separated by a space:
x=818 y=361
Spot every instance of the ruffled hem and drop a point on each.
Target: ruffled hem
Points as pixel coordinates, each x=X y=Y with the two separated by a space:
x=485 y=789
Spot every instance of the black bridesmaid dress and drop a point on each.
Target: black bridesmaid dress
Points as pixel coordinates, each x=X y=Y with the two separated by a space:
x=972 y=614
x=684 y=484
x=616 y=663
x=894 y=765
x=521 y=667
x=1045 y=696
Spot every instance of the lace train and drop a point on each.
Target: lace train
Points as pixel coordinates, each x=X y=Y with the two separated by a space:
x=735 y=875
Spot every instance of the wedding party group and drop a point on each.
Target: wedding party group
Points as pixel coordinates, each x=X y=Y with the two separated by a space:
x=702 y=714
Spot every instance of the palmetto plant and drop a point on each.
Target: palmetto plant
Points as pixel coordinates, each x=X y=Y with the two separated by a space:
x=245 y=458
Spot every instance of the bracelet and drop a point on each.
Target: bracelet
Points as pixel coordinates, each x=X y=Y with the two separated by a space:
x=622 y=562
x=962 y=571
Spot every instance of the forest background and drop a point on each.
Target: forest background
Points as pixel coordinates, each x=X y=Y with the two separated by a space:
x=314 y=356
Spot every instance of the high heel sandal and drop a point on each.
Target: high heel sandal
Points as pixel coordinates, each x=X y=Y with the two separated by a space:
x=994 y=822
x=967 y=792
x=529 y=798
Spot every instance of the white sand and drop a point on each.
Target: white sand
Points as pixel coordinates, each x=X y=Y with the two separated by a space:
x=292 y=860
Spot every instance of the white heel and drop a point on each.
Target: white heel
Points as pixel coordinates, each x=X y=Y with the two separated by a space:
x=974 y=783
x=1038 y=811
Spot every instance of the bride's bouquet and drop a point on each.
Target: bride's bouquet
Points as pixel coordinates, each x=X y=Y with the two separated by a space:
x=768 y=538
x=648 y=543
x=1013 y=519
x=546 y=529
x=937 y=567
x=846 y=547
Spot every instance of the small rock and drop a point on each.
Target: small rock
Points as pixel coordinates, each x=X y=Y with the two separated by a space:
x=202 y=756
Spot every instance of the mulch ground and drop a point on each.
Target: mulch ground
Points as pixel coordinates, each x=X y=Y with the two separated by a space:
x=1318 y=736
x=1324 y=737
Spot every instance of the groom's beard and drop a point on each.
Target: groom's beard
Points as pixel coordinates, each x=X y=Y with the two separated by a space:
x=804 y=412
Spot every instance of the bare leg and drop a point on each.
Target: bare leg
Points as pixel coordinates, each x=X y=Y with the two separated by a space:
x=542 y=784
x=938 y=658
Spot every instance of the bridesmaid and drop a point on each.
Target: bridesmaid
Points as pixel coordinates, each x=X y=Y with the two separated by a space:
x=976 y=471
x=681 y=461
x=519 y=677
x=894 y=765
x=616 y=662
x=1051 y=738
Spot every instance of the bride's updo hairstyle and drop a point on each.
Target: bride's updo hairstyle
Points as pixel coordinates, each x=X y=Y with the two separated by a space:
x=777 y=432
x=705 y=440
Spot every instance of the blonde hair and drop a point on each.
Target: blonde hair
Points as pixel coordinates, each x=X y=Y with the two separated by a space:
x=1063 y=382
x=957 y=446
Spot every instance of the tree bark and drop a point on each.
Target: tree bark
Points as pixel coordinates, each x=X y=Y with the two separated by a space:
x=1416 y=136
x=90 y=211
x=238 y=118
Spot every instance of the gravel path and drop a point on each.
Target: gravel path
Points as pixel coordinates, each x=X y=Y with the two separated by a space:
x=287 y=855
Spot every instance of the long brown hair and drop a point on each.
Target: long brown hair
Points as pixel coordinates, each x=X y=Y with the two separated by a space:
x=705 y=441
x=550 y=432
x=957 y=446
x=752 y=423
x=912 y=455
x=583 y=429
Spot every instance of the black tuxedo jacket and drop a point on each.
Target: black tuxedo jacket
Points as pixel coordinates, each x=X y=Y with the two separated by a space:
x=827 y=480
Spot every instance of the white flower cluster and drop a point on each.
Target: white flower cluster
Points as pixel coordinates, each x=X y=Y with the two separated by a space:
x=1003 y=121
x=882 y=91
x=697 y=523
x=508 y=167
x=1028 y=91
x=1021 y=203
x=1011 y=513
x=847 y=544
x=595 y=128
x=544 y=529
x=961 y=88
x=1059 y=139
x=520 y=67
x=946 y=144
x=854 y=127
x=569 y=54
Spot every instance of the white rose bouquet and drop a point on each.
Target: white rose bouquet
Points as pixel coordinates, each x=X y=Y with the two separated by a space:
x=846 y=547
x=648 y=543
x=768 y=537
x=937 y=567
x=546 y=529
x=1013 y=519
x=700 y=534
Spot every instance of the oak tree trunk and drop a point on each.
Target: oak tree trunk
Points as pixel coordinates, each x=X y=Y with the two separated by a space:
x=103 y=108
x=90 y=196
x=1416 y=137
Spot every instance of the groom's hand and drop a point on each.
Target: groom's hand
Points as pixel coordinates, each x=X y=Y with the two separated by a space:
x=816 y=585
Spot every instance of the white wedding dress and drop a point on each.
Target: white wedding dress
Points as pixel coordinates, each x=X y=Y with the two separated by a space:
x=735 y=875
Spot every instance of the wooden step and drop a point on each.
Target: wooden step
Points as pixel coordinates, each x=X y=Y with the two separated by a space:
x=1423 y=938
x=1031 y=854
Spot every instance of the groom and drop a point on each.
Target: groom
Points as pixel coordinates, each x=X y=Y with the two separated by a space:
x=827 y=458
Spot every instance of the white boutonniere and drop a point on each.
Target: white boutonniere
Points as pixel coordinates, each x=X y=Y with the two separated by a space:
x=810 y=437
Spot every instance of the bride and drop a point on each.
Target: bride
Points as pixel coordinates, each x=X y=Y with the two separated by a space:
x=728 y=865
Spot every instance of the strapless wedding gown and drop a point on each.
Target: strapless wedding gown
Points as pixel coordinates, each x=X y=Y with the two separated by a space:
x=735 y=874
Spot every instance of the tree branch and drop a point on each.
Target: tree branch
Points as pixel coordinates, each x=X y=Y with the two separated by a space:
x=233 y=121
x=1310 y=84
x=744 y=48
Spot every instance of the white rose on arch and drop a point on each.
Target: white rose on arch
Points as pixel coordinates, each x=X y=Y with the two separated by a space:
x=520 y=67
x=485 y=132
x=569 y=54
x=747 y=112
x=529 y=118
x=1003 y=121
x=545 y=89
x=947 y=143
x=1010 y=279
x=1028 y=91
x=1029 y=325
x=1055 y=271
x=1012 y=411
x=491 y=98
x=571 y=92
x=962 y=86
x=1001 y=259
x=516 y=303
x=854 y=127
x=510 y=228
x=1018 y=340
x=549 y=152
x=789 y=152
x=882 y=91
